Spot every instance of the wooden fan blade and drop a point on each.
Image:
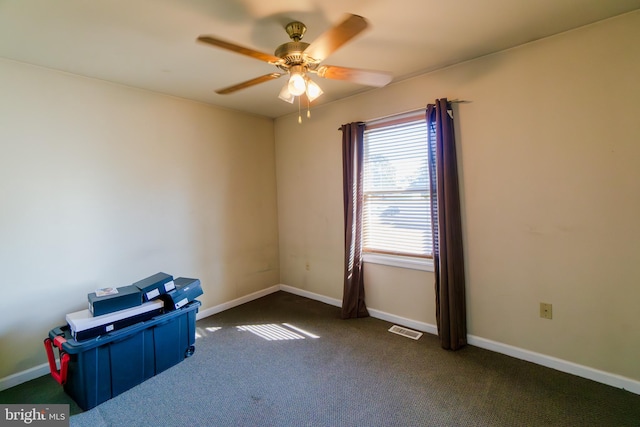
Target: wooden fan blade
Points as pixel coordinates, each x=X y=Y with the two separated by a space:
x=248 y=83
x=333 y=38
x=355 y=75
x=271 y=59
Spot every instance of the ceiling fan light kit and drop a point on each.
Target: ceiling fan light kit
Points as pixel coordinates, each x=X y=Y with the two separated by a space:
x=298 y=59
x=297 y=83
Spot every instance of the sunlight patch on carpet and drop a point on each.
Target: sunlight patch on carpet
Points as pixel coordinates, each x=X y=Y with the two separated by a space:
x=204 y=332
x=273 y=332
x=302 y=331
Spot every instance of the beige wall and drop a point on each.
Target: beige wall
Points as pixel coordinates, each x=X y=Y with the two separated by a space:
x=103 y=185
x=549 y=149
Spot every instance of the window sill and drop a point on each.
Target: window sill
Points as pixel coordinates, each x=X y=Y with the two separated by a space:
x=399 y=261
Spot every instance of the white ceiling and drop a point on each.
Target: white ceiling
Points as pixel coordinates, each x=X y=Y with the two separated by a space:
x=150 y=44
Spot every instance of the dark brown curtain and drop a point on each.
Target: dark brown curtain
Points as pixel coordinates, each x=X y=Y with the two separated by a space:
x=353 y=295
x=448 y=258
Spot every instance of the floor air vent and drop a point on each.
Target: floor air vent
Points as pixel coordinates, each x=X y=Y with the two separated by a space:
x=409 y=333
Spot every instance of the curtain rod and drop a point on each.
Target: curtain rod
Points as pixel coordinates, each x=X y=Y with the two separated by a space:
x=414 y=110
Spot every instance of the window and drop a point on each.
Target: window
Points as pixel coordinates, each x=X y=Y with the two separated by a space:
x=396 y=211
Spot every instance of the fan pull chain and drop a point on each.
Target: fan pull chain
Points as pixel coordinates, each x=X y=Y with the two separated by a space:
x=308 y=108
x=299 y=114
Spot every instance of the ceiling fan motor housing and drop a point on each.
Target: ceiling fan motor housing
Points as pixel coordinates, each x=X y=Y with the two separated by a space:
x=292 y=53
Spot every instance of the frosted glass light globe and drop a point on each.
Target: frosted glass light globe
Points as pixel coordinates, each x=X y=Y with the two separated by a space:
x=297 y=85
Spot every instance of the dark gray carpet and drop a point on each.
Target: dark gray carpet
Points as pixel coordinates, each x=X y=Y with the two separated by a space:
x=355 y=373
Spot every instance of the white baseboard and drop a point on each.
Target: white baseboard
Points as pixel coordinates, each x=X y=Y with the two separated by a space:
x=403 y=321
x=24 y=376
x=603 y=377
x=420 y=326
x=593 y=374
x=236 y=302
x=311 y=295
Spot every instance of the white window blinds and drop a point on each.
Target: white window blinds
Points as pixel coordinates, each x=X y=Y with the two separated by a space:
x=396 y=214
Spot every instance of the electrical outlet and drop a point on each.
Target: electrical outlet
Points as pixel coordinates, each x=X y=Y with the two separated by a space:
x=546 y=311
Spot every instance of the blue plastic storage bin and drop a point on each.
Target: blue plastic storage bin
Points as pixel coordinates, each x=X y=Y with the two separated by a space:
x=100 y=368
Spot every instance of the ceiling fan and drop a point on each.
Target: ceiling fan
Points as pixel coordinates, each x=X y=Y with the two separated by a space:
x=297 y=59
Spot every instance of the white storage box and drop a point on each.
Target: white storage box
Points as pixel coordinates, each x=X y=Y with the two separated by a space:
x=84 y=325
